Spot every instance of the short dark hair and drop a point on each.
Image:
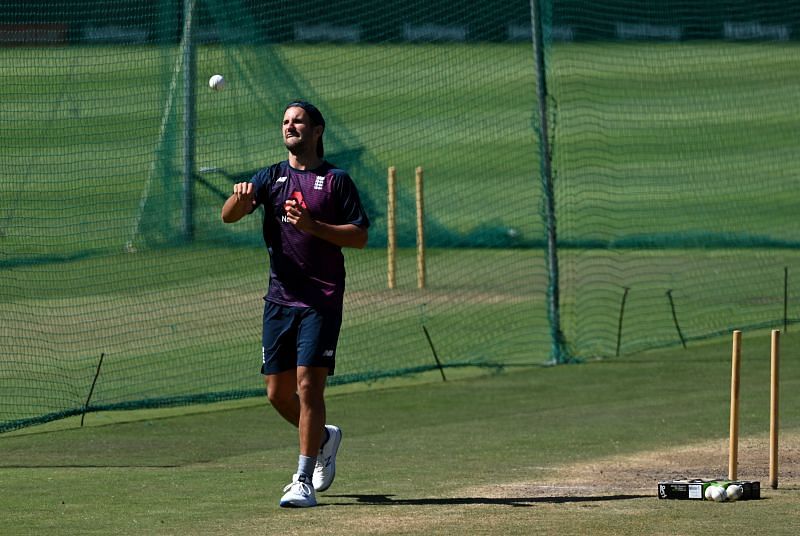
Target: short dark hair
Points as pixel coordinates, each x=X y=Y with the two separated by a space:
x=315 y=115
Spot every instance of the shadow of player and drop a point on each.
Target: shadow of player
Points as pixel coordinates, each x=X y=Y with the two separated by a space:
x=390 y=500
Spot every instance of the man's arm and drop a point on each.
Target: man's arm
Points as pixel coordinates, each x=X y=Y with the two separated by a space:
x=345 y=236
x=240 y=204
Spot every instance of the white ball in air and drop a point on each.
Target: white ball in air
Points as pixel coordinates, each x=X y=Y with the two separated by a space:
x=216 y=82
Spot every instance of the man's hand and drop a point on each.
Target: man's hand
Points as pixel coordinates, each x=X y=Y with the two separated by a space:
x=244 y=193
x=298 y=215
x=347 y=235
x=240 y=203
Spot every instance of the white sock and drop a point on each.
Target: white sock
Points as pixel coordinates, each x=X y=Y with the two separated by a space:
x=305 y=465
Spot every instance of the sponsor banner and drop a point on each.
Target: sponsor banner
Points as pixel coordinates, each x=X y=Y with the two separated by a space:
x=115 y=34
x=524 y=32
x=434 y=32
x=327 y=32
x=626 y=30
x=33 y=34
x=742 y=31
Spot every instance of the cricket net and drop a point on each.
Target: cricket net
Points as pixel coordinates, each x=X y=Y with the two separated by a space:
x=671 y=126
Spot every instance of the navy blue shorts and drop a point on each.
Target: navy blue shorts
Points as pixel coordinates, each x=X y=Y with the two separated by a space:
x=298 y=336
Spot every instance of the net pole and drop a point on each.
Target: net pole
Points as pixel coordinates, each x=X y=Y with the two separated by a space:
x=189 y=76
x=557 y=353
x=391 y=244
x=785 y=299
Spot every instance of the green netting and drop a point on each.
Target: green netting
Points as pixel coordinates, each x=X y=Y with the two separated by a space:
x=675 y=133
x=672 y=127
x=99 y=258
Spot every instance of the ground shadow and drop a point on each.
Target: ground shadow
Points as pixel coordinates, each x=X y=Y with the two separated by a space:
x=389 y=500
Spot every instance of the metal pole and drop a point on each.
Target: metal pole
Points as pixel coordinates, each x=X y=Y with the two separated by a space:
x=189 y=76
x=558 y=351
x=675 y=318
x=391 y=242
x=785 y=299
x=621 y=314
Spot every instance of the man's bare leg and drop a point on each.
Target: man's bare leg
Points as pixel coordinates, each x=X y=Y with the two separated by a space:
x=311 y=393
x=282 y=394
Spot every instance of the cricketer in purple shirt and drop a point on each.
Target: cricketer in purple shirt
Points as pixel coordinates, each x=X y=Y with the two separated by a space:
x=312 y=210
x=306 y=271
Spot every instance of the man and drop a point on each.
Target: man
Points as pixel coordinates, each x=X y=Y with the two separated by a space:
x=312 y=210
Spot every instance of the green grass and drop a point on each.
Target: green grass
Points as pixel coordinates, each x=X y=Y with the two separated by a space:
x=471 y=455
x=674 y=163
x=183 y=322
x=155 y=315
x=79 y=124
x=680 y=138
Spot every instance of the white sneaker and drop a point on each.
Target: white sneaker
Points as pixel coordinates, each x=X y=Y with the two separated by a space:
x=298 y=494
x=325 y=470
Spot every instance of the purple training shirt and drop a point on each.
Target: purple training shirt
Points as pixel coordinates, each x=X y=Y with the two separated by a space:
x=306 y=271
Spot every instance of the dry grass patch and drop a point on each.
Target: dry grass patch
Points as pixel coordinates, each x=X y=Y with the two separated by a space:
x=638 y=474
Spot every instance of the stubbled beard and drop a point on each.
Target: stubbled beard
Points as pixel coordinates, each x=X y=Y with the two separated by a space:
x=295 y=146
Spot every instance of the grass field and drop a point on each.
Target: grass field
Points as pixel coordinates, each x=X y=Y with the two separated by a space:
x=639 y=129
x=96 y=163
x=558 y=450
x=675 y=173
